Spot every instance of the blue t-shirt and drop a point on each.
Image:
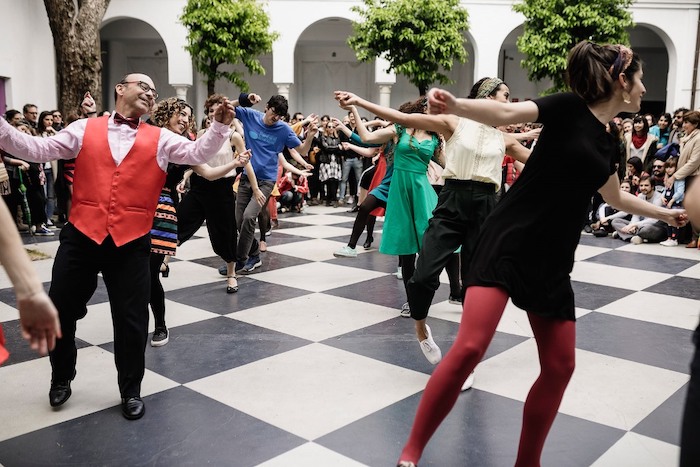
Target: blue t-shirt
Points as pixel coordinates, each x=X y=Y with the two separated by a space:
x=265 y=141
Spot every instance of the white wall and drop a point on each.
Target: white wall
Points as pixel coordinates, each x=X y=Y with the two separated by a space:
x=27 y=56
x=307 y=37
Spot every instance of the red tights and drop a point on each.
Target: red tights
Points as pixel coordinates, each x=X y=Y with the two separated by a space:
x=483 y=308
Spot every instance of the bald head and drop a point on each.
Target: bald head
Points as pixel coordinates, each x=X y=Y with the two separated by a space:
x=135 y=95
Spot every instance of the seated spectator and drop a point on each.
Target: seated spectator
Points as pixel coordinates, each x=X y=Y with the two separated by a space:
x=635 y=171
x=640 y=142
x=662 y=130
x=658 y=175
x=292 y=189
x=642 y=229
x=673 y=199
x=606 y=213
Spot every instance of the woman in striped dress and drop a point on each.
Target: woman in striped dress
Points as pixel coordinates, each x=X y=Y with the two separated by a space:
x=175 y=115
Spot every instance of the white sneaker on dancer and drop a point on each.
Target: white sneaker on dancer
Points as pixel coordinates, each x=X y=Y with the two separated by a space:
x=469 y=382
x=405 y=311
x=430 y=349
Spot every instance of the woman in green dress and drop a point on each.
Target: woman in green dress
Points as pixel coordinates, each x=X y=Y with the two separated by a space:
x=411 y=197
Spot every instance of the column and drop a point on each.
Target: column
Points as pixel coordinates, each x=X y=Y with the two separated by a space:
x=283 y=89
x=181 y=90
x=385 y=95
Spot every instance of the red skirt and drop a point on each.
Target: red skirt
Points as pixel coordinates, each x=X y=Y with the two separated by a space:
x=379 y=173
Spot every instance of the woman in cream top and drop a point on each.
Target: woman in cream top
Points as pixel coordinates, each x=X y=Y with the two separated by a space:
x=474 y=154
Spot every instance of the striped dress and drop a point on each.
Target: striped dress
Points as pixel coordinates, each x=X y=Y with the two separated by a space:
x=164 y=230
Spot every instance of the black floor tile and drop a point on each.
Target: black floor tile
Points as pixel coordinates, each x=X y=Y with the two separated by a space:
x=643 y=261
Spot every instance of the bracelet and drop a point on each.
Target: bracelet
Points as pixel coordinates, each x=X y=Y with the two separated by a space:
x=244 y=101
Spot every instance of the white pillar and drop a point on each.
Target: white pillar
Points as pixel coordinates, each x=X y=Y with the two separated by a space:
x=181 y=90
x=283 y=89
x=385 y=95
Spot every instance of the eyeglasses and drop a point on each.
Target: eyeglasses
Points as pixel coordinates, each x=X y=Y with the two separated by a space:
x=658 y=166
x=144 y=87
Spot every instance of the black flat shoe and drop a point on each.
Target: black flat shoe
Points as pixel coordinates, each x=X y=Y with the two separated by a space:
x=59 y=393
x=133 y=408
x=231 y=288
x=165 y=272
x=368 y=243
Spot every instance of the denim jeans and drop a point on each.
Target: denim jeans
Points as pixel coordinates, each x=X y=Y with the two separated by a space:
x=350 y=164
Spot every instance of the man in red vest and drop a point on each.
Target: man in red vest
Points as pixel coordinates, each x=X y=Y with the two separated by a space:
x=120 y=169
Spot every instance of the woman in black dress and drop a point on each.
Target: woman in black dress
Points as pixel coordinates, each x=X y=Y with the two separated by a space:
x=516 y=255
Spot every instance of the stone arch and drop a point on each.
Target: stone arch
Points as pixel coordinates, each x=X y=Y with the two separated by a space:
x=659 y=57
x=131 y=45
x=323 y=62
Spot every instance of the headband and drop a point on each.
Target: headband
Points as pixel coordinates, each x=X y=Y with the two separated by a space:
x=622 y=62
x=487 y=87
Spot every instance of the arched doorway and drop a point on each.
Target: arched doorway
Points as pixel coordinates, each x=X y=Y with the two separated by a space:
x=325 y=63
x=130 y=45
x=651 y=47
x=643 y=39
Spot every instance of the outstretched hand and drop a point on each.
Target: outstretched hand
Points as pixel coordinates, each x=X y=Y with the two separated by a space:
x=346 y=99
x=225 y=113
x=441 y=101
x=676 y=217
x=39 y=321
x=88 y=105
x=244 y=157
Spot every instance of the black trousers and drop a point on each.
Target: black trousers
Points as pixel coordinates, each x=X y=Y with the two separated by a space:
x=462 y=207
x=690 y=434
x=125 y=271
x=214 y=202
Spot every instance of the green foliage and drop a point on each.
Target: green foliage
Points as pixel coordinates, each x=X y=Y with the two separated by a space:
x=418 y=37
x=553 y=27
x=227 y=31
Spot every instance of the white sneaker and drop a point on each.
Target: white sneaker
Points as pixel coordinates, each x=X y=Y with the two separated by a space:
x=345 y=252
x=637 y=240
x=469 y=382
x=670 y=242
x=399 y=274
x=430 y=349
x=405 y=311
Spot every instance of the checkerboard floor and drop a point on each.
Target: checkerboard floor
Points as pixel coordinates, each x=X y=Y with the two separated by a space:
x=311 y=365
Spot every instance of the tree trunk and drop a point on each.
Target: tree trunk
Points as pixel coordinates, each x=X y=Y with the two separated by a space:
x=75 y=26
x=210 y=86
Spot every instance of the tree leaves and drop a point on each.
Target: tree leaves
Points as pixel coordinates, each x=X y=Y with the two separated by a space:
x=419 y=38
x=227 y=31
x=553 y=27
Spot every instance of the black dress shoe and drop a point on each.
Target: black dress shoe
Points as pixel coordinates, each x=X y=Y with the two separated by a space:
x=59 y=393
x=133 y=408
x=368 y=243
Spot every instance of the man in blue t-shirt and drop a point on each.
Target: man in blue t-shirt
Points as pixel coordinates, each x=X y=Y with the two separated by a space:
x=266 y=135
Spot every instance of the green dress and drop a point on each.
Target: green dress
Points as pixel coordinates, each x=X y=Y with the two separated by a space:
x=411 y=197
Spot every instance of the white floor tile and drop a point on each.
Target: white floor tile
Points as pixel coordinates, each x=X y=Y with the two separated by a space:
x=604 y=389
x=311 y=455
x=317 y=277
x=194 y=249
x=656 y=308
x=635 y=450
x=679 y=251
x=25 y=403
x=316 y=316
x=614 y=276
x=320 y=219
x=317 y=231
x=8 y=313
x=307 y=403
x=188 y=274
x=692 y=272
x=584 y=252
x=314 y=250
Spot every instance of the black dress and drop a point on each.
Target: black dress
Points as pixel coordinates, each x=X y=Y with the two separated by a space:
x=527 y=244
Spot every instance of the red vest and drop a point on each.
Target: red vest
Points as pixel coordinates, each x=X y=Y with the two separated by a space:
x=116 y=200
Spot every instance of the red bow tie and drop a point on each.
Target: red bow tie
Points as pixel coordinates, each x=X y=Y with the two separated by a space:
x=119 y=119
